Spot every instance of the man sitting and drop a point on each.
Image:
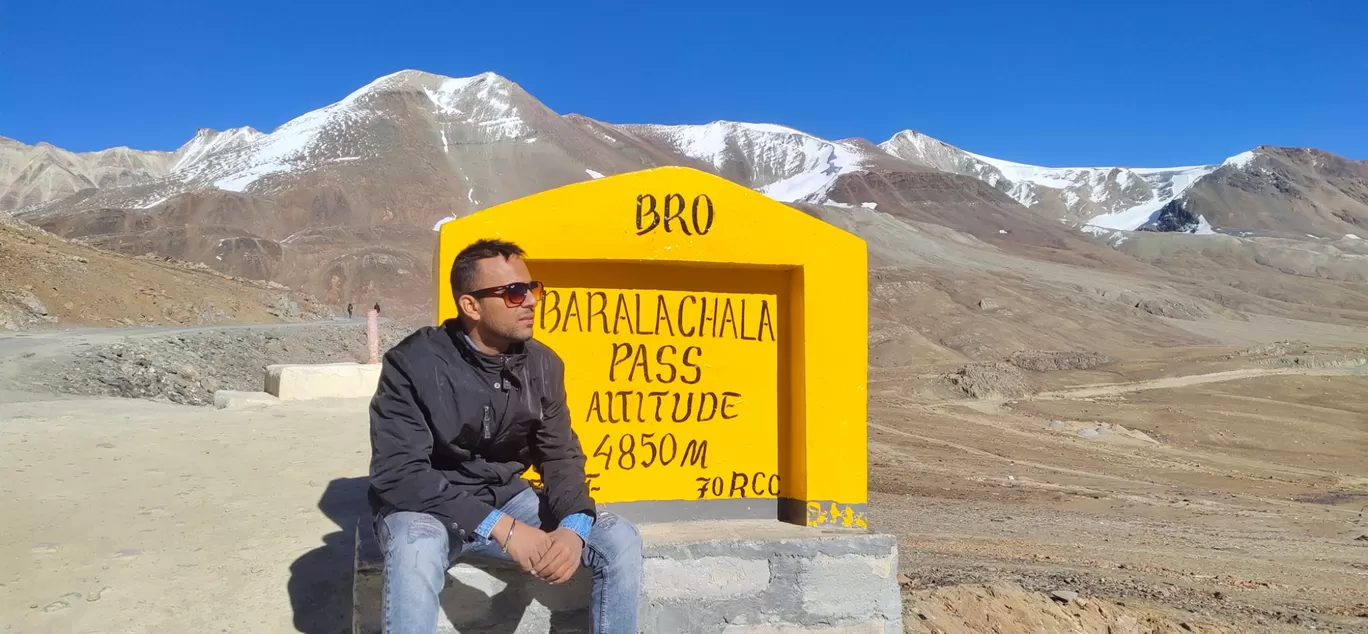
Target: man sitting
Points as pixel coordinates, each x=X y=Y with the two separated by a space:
x=461 y=411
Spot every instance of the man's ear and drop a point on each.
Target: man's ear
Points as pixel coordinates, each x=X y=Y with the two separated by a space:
x=469 y=307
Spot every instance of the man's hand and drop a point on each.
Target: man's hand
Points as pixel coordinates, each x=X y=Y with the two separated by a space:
x=527 y=545
x=562 y=558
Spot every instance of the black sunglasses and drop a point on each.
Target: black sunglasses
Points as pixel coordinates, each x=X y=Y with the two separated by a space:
x=513 y=294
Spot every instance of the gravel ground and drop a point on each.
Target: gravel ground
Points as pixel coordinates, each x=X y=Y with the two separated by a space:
x=188 y=367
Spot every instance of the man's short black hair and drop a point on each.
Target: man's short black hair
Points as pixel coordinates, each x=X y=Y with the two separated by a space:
x=466 y=266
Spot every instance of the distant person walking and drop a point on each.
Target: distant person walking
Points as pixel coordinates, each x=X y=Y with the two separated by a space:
x=349 y=310
x=377 y=308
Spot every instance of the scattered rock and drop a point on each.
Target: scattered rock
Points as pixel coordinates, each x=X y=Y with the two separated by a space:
x=989 y=305
x=95 y=596
x=188 y=368
x=1045 y=361
x=1058 y=425
x=1064 y=596
x=989 y=381
x=20 y=309
x=1088 y=433
x=105 y=445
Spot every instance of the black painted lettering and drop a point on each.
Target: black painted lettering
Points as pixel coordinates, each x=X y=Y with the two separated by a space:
x=727 y=318
x=641 y=400
x=698 y=370
x=621 y=313
x=774 y=485
x=669 y=448
x=687 y=298
x=642 y=210
x=703 y=484
x=622 y=397
x=743 y=322
x=550 y=303
x=675 y=211
x=695 y=454
x=766 y=322
x=727 y=405
x=572 y=308
x=648 y=443
x=688 y=408
x=660 y=359
x=595 y=408
x=706 y=226
x=621 y=353
x=717 y=486
x=627 y=449
x=601 y=311
x=659 y=398
x=640 y=324
x=608 y=456
x=663 y=314
x=738 y=484
x=755 y=483
x=612 y=410
x=703 y=313
x=707 y=406
x=713 y=319
x=639 y=361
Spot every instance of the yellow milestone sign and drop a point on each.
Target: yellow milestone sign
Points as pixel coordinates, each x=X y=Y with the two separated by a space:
x=714 y=342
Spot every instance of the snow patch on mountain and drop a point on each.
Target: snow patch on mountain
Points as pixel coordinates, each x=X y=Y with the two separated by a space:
x=811 y=185
x=209 y=142
x=1167 y=184
x=1241 y=160
x=781 y=162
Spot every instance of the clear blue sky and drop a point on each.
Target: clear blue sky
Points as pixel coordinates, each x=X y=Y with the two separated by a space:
x=1055 y=83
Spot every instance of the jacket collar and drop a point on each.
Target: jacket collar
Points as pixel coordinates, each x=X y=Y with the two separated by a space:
x=489 y=362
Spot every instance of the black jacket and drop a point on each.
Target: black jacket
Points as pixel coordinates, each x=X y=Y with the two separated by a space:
x=453 y=429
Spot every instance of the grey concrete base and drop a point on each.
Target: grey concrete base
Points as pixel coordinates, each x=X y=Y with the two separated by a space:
x=232 y=399
x=290 y=382
x=754 y=576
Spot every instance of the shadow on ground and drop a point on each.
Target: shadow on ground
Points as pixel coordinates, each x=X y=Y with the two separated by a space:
x=321 y=580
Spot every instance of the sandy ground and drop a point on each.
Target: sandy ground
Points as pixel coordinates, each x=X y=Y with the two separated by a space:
x=133 y=516
x=1183 y=491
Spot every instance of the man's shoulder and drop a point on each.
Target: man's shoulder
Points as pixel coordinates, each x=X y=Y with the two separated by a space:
x=420 y=343
x=539 y=350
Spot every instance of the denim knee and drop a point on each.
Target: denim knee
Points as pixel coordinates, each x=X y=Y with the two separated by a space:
x=417 y=536
x=616 y=540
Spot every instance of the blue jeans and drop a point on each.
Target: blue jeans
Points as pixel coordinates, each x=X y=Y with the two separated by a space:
x=417 y=555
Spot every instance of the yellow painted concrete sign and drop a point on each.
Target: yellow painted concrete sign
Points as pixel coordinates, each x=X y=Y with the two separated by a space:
x=714 y=342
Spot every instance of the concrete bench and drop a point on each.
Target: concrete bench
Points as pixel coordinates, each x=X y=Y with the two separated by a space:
x=297 y=381
x=741 y=576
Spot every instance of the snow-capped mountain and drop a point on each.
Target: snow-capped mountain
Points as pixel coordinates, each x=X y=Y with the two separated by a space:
x=341 y=200
x=784 y=163
x=1108 y=197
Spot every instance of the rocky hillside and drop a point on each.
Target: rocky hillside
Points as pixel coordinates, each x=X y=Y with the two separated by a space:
x=341 y=201
x=48 y=281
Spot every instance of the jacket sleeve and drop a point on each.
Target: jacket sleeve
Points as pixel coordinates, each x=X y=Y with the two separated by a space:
x=556 y=451
x=401 y=448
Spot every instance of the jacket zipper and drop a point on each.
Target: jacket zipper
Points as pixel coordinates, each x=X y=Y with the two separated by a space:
x=484 y=423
